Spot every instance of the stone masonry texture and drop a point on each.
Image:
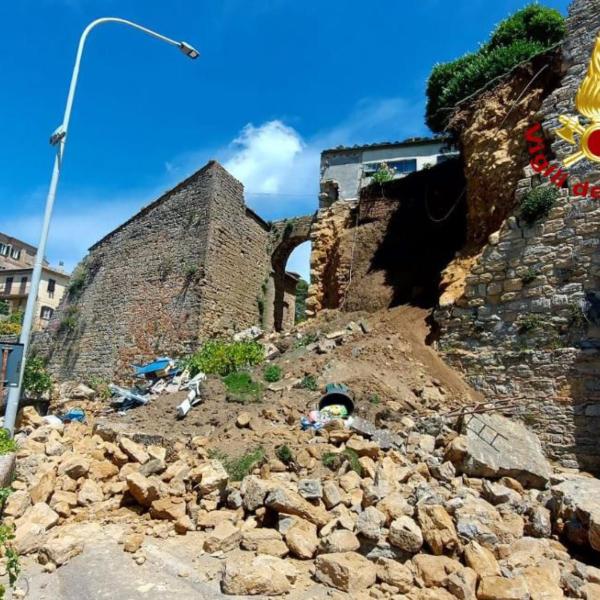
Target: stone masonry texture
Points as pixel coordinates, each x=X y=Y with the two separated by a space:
x=527 y=327
x=187 y=266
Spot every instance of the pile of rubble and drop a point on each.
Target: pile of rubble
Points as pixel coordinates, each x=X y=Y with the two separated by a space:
x=475 y=515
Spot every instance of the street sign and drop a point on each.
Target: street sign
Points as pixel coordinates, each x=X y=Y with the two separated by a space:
x=11 y=356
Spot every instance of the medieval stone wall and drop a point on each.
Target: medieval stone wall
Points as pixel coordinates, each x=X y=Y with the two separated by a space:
x=526 y=327
x=186 y=266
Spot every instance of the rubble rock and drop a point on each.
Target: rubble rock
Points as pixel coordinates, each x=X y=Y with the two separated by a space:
x=145 y=490
x=502 y=588
x=434 y=570
x=332 y=494
x=60 y=550
x=310 y=489
x=340 y=540
x=481 y=560
x=301 y=538
x=225 y=536
x=136 y=452
x=406 y=535
x=264 y=541
x=577 y=503
x=494 y=446
x=89 y=493
x=346 y=571
x=17 y=503
x=75 y=466
x=43 y=488
x=212 y=477
x=257 y=575
x=395 y=573
x=291 y=503
x=254 y=491
x=370 y=522
x=133 y=542
x=168 y=509
x=438 y=529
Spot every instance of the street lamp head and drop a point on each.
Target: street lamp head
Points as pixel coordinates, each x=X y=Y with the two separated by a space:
x=189 y=50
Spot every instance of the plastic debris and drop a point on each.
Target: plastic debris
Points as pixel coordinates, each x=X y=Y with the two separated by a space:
x=193 y=397
x=126 y=399
x=74 y=414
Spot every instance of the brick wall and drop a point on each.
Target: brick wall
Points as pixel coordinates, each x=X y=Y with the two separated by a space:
x=187 y=265
x=526 y=327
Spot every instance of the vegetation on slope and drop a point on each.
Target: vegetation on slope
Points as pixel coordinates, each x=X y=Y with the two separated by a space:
x=516 y=39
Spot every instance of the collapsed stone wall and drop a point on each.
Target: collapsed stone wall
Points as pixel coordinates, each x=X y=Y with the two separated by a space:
x=187 y=266
x=525 y=327
x=388 y=248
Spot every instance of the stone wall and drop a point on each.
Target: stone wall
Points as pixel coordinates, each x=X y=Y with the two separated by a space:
x=188 y=265
x=526 y=327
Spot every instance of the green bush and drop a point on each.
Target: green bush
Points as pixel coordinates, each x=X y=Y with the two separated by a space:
x=516 y=39
x=78 y=279
x=334 y=460
x=11 y=557
x=242 y=389
x=4 y=308
x=533 y=23
x=7 y=444
x=383 y=174
x=36 y=380
x=272 y=373
x=8 y=328
x=309 y=382
x=301 y=294
x=222 y=358
x=284 y=454
x=237 y=468
x=536 y=204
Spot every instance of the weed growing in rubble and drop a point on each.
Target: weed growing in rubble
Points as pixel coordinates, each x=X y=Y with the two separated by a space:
x=238 y=468
x=272 y=373
x=36 y=380
x=309 y=382
x=536 y=204
x=530 y=275
x=383 y=174
x=307 y=340
x=375 y=399
x=284 y=454
x=100 y=387
x=242 y=389
x=7 y=444
x=13 y=568
x=222 y=358
x=334 y=460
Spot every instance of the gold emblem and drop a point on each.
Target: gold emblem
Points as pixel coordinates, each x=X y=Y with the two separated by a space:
x=587 y=103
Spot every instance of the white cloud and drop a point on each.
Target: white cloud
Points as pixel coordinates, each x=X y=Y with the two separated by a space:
x=264 y=156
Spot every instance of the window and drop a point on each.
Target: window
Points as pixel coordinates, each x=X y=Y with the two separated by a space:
x=23 y=286
x=4 y=249
x=8 y=285
x=15 y=253
x=51 y=288
x=46 y=313
x=407 y=165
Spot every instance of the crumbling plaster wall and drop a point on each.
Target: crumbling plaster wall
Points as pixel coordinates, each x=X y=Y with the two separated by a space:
x=186 y=266
x=525 y=329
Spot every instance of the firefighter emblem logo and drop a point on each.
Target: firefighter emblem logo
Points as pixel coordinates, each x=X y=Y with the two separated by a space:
x=587 y=103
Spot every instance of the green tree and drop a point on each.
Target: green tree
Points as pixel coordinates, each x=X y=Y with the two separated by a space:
x=301 y=294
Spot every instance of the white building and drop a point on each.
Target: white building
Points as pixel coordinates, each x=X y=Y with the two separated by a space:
x=348 y=169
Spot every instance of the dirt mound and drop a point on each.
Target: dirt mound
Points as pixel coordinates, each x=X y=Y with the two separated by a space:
x=385 y=362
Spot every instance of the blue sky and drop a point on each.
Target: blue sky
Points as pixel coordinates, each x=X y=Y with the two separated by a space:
x=278 y=81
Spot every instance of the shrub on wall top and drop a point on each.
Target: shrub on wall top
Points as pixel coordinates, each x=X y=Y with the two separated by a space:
x=516 y=39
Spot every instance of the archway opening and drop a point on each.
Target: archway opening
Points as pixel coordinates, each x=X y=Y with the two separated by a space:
x=290 y=280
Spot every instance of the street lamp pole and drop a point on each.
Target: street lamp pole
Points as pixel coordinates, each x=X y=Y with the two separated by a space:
x=59 y=139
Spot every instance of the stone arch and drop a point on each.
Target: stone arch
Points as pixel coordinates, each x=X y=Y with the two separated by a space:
x=286 y=235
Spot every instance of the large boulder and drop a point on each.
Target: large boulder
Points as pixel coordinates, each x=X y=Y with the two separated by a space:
x=493 y=446
x=577 y=502
x=253 y=575
x=346 y=571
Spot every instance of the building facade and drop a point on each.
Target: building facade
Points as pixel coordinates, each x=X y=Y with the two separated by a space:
x=346 y=170
x=16 y=268
x=15 y=287
x=15 y=254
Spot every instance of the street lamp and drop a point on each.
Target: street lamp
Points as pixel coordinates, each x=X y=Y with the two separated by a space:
x=59 y=139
